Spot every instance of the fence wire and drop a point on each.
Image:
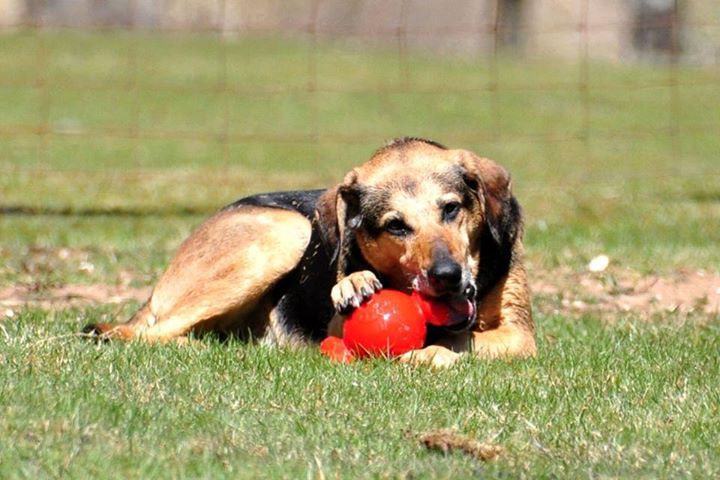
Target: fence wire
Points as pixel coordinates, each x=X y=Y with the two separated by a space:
x=313 y=34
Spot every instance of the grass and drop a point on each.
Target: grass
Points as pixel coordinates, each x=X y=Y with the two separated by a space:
x=625 y=401
x=95 y=90
x=610 y=395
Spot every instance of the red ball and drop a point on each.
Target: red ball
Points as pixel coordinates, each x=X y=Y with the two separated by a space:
x=334 y=348
x=435 y=312
x=389 y=323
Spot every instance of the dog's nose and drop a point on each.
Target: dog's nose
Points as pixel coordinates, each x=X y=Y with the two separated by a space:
x=445 y=275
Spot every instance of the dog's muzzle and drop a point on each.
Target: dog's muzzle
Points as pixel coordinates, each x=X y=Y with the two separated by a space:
x=445 y=275
x=461 y=299
x=463 y=310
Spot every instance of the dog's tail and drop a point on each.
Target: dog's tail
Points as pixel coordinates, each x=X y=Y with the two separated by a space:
x=122 y=331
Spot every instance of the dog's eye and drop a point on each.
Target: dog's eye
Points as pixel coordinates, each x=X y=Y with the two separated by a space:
x=450 y=211
x=398 y=228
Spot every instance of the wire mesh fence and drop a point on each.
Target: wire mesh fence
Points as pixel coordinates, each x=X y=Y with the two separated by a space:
x=310 y=79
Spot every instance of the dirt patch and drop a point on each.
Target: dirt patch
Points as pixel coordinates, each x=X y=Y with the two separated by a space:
x=447 y=441
x=629 y=291
x=558 y=291
x=69 y=296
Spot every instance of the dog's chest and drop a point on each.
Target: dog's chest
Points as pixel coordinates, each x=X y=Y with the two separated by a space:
x=303 y=297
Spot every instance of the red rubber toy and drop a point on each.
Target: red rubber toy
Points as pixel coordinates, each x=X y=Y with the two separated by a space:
x=435 y=312
x=388 y=324
x=334 y=348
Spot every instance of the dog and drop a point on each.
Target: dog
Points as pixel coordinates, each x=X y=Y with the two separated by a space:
x=286 y=268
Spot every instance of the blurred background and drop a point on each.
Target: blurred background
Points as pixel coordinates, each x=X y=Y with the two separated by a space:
x=606 y=111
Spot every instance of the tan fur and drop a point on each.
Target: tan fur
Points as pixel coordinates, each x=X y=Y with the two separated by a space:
x=219 y=276
x=277 y=334
x=436 y=356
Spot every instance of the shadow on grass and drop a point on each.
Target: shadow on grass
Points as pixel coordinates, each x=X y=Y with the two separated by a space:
x=24 y=210
x=705 y=197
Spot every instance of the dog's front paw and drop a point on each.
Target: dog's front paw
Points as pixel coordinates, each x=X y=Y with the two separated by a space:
x=354 y=289
x=434 y=356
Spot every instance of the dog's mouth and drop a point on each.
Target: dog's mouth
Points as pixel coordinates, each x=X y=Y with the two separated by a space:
x=462 y=310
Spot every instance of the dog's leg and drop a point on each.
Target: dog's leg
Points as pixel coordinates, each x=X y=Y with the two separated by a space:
x=504 y=342
x=353 y=290
x=505 y=323
x=348 y=294
x=220 y=275
x=336 y=325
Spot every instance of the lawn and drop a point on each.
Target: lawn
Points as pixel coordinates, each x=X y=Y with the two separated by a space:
x=147 y=135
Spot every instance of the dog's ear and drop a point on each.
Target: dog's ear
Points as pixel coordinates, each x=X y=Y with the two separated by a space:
x=349 y=195
x=326 y=217
x=348 y=218
x=493 y=186
x=338 y=215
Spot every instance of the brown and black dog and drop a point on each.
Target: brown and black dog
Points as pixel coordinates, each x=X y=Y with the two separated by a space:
x=285 y=267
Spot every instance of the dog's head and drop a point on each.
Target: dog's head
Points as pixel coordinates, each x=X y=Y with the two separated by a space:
x=427 y=218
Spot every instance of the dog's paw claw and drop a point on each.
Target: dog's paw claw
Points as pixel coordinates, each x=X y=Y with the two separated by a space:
x=350 y=292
